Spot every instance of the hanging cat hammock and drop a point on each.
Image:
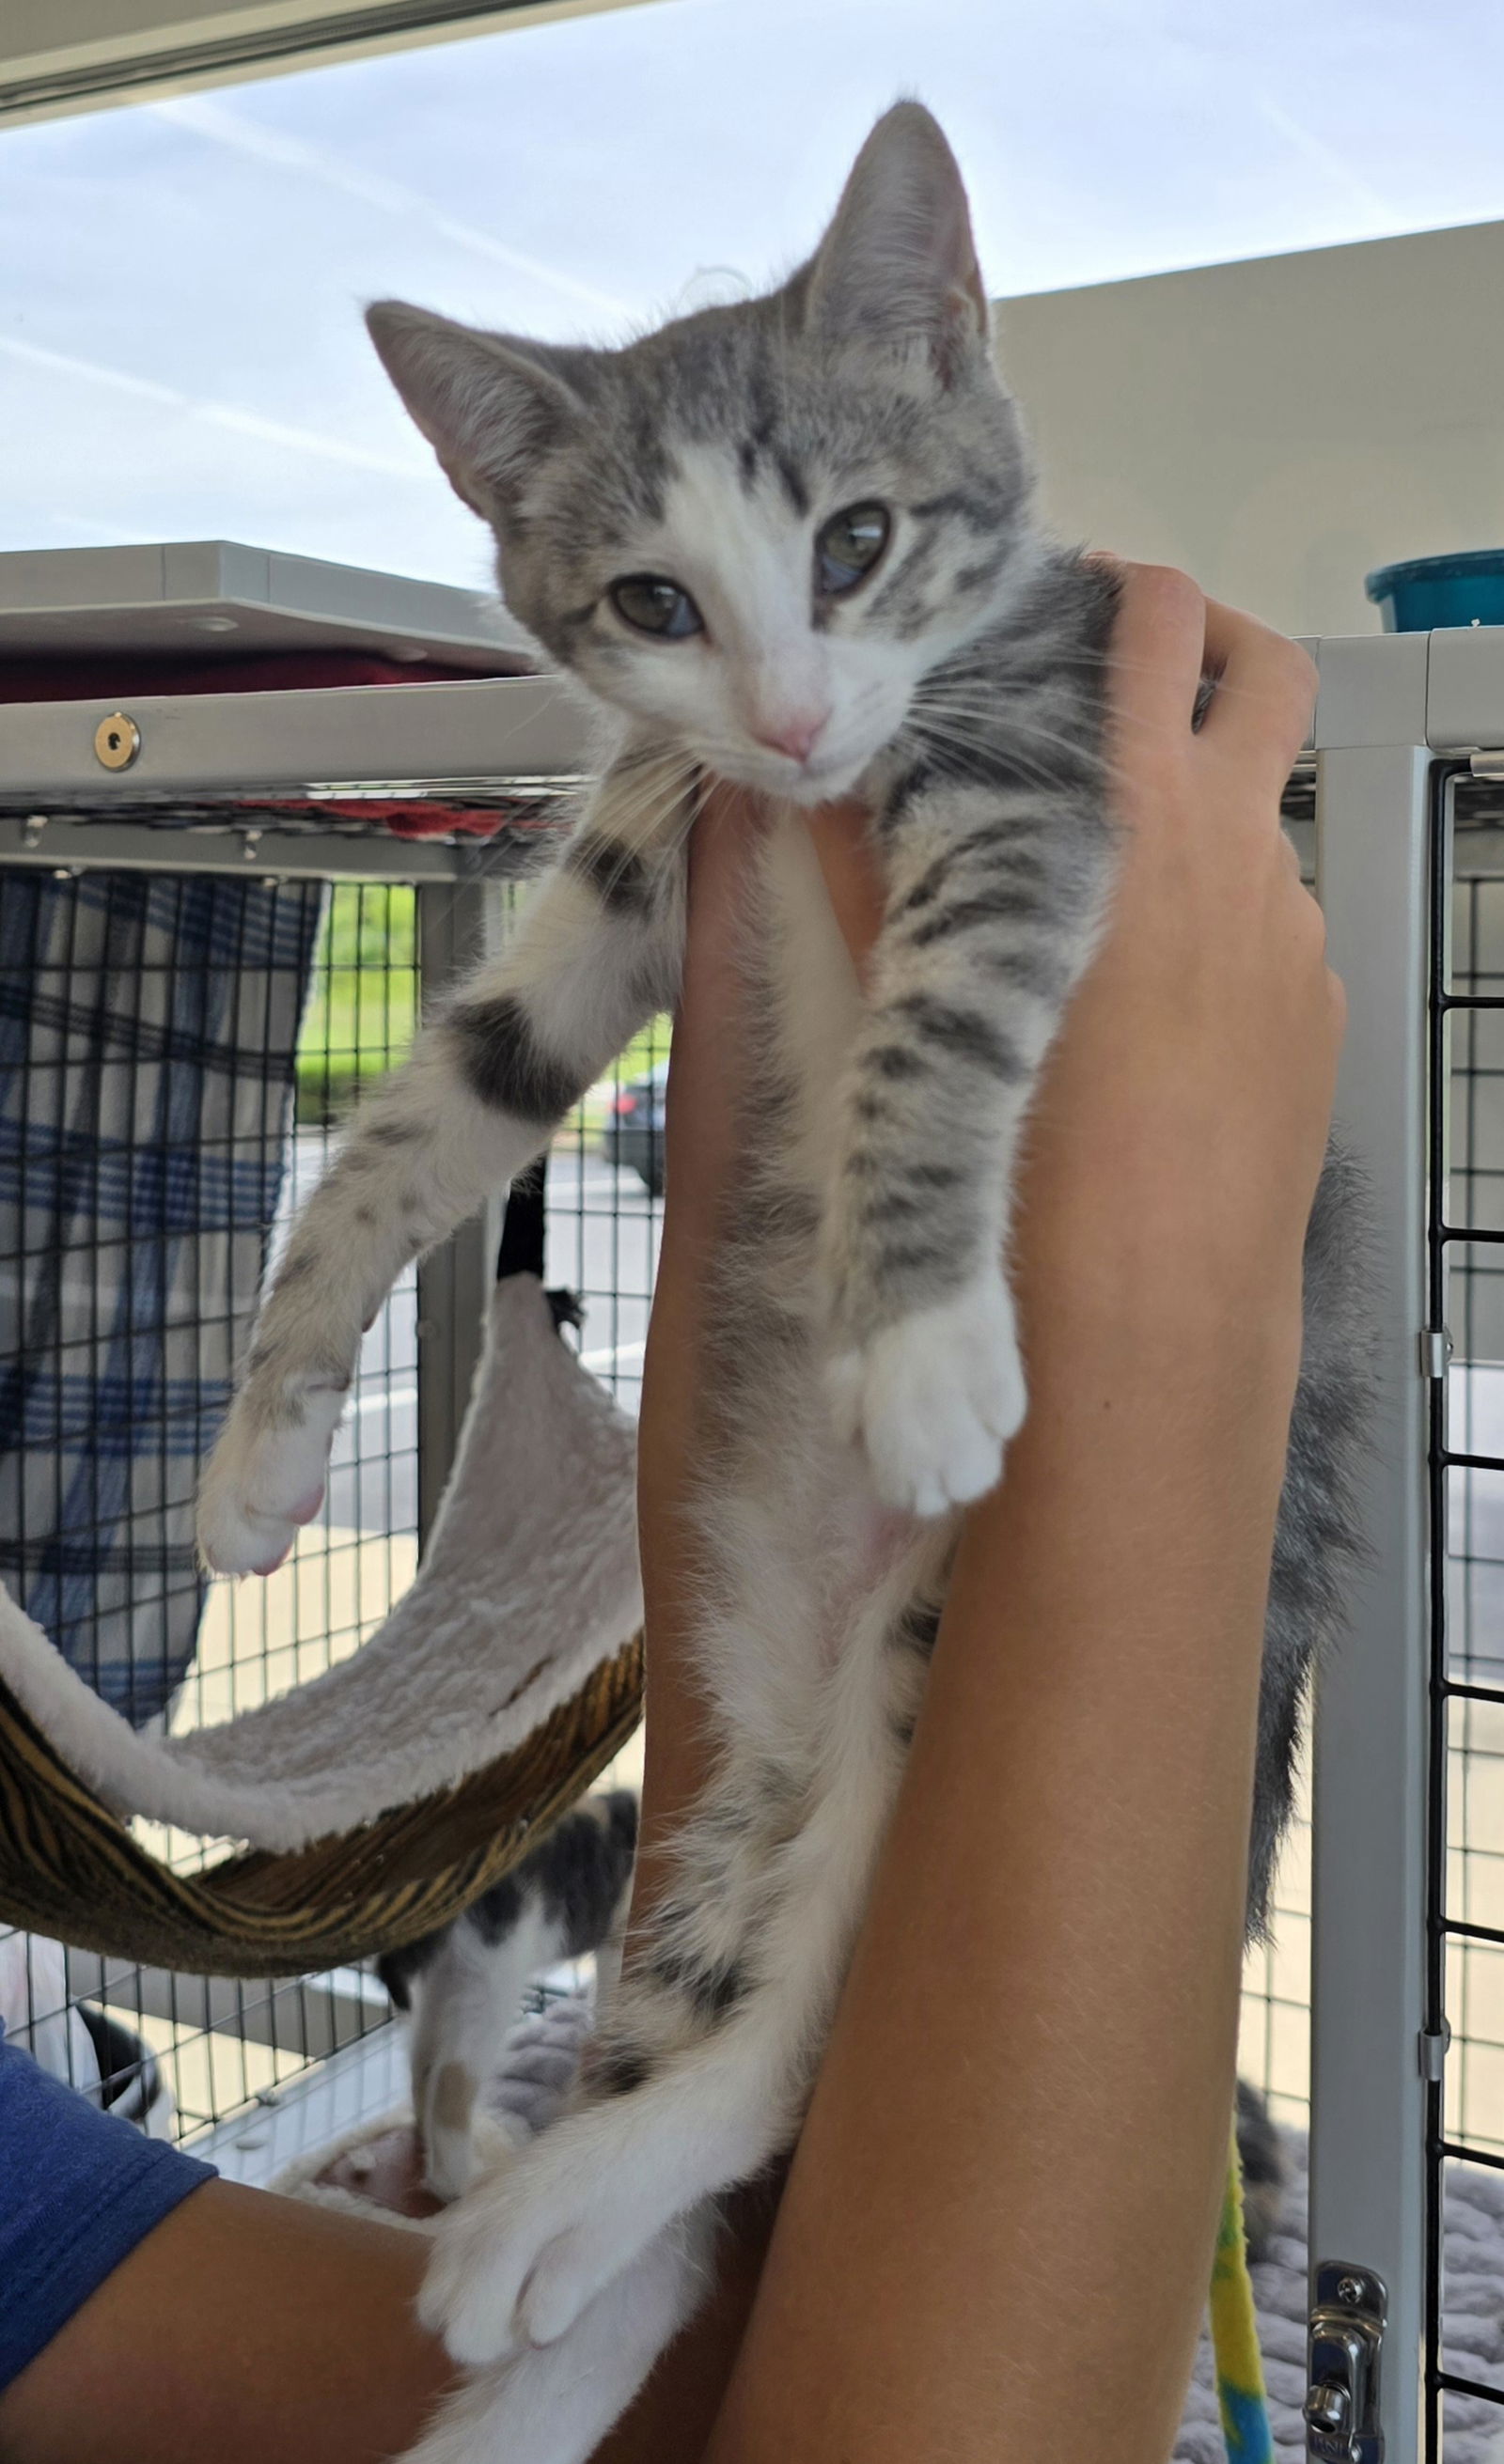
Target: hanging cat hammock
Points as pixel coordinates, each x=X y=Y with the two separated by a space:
x=378 y=1800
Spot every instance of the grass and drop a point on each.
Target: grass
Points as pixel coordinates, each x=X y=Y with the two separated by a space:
x=362 y=1007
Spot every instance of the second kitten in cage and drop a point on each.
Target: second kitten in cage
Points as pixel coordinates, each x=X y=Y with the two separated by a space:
x=464 y=1984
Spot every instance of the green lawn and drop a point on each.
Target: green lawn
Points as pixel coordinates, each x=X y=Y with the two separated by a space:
x=363 y=1006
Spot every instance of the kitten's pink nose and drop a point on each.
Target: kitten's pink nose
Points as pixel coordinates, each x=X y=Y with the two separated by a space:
x=796 y=737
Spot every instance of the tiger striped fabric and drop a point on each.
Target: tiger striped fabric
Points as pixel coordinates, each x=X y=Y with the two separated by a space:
x=71 y=1868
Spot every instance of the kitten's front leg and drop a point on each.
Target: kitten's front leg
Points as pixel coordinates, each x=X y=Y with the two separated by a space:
x=993 y=905
x=597 y=951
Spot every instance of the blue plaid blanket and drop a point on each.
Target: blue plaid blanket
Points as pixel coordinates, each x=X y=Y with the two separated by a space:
x=147 y=1028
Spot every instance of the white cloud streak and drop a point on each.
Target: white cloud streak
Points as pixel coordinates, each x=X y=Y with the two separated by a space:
x=229 y=128
x=218 y=414
x=1380 y=209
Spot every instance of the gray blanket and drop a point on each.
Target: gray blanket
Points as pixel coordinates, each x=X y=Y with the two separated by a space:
x=1473 y=2313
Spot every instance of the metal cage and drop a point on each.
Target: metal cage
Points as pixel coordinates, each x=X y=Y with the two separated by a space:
x=199 y=977
x=1379 y=2010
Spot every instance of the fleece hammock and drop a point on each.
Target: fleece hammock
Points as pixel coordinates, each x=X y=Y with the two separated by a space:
x=377 y=1801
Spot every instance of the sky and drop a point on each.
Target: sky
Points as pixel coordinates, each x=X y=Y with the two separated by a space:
x=181 y=352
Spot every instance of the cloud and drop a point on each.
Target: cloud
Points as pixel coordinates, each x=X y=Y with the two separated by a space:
x=223 y=127
x=219 y=414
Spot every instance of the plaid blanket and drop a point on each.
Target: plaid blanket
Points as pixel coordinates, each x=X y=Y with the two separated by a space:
x=147 y=1026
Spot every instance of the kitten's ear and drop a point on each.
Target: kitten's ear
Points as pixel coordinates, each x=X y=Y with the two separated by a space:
x=490 y=406
x=899 y=264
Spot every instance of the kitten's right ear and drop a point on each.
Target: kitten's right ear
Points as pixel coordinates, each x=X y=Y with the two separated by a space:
x=490 y=406
x=899 y=264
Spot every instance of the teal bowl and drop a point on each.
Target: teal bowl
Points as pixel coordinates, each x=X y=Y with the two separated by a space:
x=1440 y=590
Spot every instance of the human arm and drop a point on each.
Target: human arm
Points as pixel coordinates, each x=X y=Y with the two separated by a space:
x=996 y=2234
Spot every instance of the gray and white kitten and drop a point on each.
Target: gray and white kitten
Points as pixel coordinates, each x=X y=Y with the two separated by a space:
x=793 y=543
x=462 y=1986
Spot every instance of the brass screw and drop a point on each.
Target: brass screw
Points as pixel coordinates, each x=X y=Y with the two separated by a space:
x=116 y=741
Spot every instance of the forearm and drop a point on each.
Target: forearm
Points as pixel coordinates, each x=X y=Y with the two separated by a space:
x=1034 y=2053
x=243 y=2328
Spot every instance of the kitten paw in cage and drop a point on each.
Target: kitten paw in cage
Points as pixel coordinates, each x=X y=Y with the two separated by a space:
x=266 y=1478
x=555 y=2403
x=934 y=1399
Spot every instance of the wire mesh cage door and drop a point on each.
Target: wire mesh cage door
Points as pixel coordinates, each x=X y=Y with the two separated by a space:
x=1407 y=2121
x=177 y=1052
x=1465 y=1880
x=168 y=1047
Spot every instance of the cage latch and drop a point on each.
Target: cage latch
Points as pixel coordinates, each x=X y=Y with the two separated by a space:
x=1344 y=2340
x=1435 y=1351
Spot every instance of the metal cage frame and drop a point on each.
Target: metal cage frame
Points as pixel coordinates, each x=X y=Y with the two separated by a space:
x=1399 y=719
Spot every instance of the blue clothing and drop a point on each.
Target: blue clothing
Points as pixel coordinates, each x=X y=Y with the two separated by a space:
x=78 y=2189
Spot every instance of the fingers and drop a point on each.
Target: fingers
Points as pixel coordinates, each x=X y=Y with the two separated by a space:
x=705 y=1063
x=1158 y=648
x=1169 y=635
x=1265 y=692
x=852 y=883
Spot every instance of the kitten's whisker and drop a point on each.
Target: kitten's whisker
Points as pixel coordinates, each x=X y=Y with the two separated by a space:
x=968 y=737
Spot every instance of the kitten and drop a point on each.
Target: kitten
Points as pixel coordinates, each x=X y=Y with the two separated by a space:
x=792 y=542
x=463 y=1985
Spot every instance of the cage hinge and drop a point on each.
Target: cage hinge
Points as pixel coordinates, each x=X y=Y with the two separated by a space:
x=1343 y=2345
x=1434 y=2050
x=1486 y=765
x=1435 y=1351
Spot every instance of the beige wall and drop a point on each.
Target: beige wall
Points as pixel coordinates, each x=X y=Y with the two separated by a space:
x=1279 y=427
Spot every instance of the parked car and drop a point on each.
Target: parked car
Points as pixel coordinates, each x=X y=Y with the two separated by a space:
x=633 y=1137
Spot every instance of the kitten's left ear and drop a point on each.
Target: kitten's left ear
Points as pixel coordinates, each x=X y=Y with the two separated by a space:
x=899 y=264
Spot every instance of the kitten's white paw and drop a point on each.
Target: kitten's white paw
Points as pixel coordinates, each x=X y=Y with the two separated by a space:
x=934 y=1399
x=470 y=2293
x=515 y=2263
x=555 y=2406
x=263 y=1482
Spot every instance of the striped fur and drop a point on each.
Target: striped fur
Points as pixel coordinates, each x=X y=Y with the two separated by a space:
x=865 y=1376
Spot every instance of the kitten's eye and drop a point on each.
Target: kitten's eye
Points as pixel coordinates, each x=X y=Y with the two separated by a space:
x=849 y=546
x=652 y=603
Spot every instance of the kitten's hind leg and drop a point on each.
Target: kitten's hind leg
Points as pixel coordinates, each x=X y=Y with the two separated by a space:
x=464 y=2001
x=597 y=952
x=700 y=2079
x=555 y=2404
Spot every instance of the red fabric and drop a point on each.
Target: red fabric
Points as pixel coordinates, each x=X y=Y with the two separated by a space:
x=111 y=679
x=410 y=817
